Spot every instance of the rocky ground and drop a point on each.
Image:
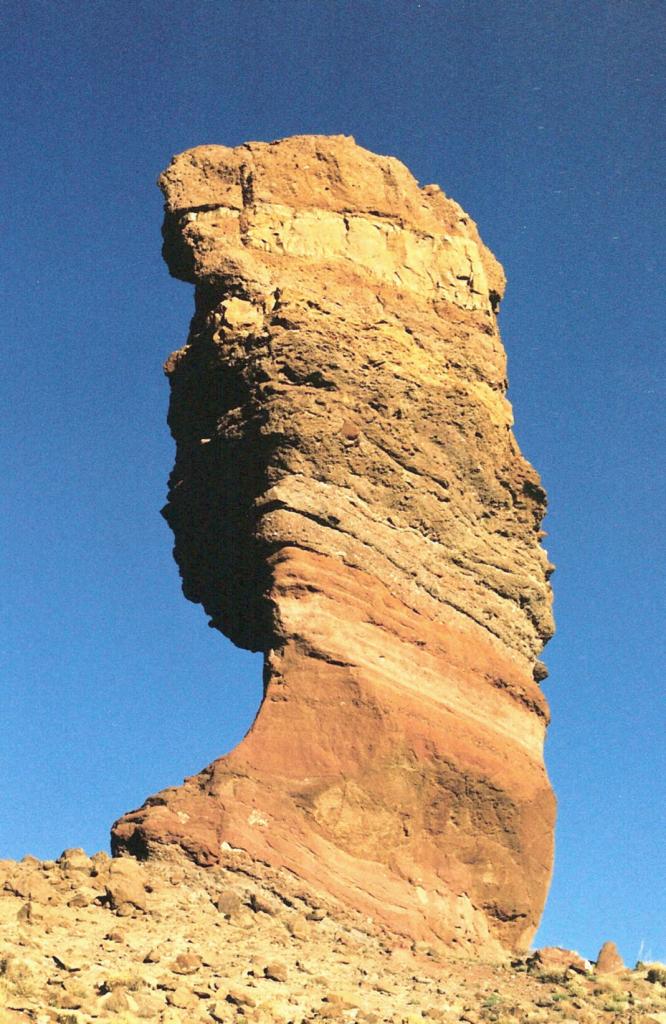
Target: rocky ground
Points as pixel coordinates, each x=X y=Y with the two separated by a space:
x=87 y=939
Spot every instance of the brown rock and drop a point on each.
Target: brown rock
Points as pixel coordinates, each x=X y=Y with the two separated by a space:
x=276 y=971
x=262 y=904
x=186 y=963
x=221 y=1012
x=556 y=958
x=84 y=896
x=348 y=498
x=148 y=1005
x=32 y=887
x=117 y=1001
x=228 y=903
x=609 y=960
x=125 y=888
x=123 y=893
x=75 y=860
x=298 y=928
x=241 y=997
x=182 y=998
x=30 y=913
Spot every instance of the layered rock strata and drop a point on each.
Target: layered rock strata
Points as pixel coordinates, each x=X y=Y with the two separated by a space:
x=349 y=499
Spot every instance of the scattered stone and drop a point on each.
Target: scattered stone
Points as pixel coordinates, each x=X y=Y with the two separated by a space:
x=186 y=963
x=276 y=971
x=264 y=904
x=228 y=903
x=148 y=1004
x=241 y=997
x=298 y=928
x=183 y=998
x=83 y=973
x=116 y=1001
x=84 y=896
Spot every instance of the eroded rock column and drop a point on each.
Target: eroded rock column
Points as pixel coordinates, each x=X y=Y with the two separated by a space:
x=348 y=498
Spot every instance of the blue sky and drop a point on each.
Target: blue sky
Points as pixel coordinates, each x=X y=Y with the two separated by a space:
x=544 y=121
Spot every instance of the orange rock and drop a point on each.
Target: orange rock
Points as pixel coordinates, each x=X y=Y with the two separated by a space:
x=609 y=960
x=555 y=958
x=349 y=499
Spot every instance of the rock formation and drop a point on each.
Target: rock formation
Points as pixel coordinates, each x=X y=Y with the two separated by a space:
x=349 y=499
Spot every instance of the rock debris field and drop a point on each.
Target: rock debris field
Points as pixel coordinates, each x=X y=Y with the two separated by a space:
x=94 y=939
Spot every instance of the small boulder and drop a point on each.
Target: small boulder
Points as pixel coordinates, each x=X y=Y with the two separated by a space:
x=186 y=963
x=182 y=998
x=264 y=904
x=556 y=958
x=275 y=971
x=125 y=888
x=123 y=894
x=228 y=903
x=148 y=1004
x=298 y=928
x=240 y=997
x=75 y=860
x=118 y=1001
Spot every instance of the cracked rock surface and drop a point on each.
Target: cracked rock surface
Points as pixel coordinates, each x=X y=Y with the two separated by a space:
x=348 y=498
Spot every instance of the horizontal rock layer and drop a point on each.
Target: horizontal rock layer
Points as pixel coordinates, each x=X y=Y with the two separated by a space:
x=348 y=498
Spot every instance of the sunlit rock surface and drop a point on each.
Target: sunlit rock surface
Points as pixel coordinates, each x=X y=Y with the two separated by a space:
x=349 y=499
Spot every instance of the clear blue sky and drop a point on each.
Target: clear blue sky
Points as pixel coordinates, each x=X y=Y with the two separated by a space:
x=545 y=121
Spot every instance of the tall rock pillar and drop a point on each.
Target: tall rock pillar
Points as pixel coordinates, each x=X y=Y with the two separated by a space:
x=349 y=499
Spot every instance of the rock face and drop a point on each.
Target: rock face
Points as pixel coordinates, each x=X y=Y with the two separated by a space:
x=349 y=499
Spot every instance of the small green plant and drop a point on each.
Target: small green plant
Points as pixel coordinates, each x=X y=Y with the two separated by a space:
x=657 y=975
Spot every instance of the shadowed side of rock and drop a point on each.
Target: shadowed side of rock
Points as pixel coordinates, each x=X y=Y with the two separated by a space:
x=348 y=498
